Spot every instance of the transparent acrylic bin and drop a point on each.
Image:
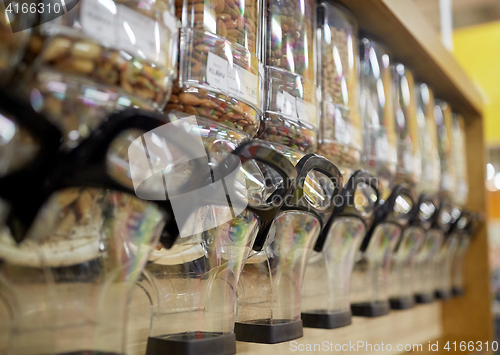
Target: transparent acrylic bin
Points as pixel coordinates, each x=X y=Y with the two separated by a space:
x=219 y=80
x=193 y=284
x=424 y=267
x=340 y=123
x=290 y=35
x=290 y=116
x=370 y=275
x=236 y=21
x=127 y=46
x=326 y=283
x=409 y=165
x=12 y=45
x=427 y=133
x=443 y=117
x=460 y=162
x=443 y=267
x=77 y=106
x=402 y=275
x=458 y=265
x=270 y=283
x=92 y=246
x=379 y=155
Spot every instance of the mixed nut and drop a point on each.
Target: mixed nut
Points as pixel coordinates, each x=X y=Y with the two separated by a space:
x=216 y=106
x=290 y=36
x=297 y=135
x=112 y=67
x=234 y=20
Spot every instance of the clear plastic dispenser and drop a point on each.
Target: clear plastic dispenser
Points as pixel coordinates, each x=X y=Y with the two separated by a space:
x=220 y=76
x=289 y=101
x=326 y=286
x=193 y=285
x=370 y=278
x=81 y=242
x=448 y=214
x=338 y=59
x=466 y=228
x=98 y=58
x=269 y=292
x=459 y=198
x=379 y=155
x=13 y=44
x=427 y=189
x=408 y=172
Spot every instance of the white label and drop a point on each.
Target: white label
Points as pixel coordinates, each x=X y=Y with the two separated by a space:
x=232 y=78
x=98 y=20
x=123 y=28
x=288 y=105
x=217 y=71
x=306 y=112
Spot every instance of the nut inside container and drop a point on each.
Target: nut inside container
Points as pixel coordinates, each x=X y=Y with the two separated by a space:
x=340 y=122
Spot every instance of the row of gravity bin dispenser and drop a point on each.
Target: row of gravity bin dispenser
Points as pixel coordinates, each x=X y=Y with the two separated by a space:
x=252 y=166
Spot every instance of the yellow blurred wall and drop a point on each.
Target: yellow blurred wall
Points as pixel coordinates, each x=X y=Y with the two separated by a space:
x=477 y=49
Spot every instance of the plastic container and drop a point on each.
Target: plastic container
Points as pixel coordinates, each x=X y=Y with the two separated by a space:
x=269 y=293
x=325 y=293
x=219 y=76
x=377 y=113
x=427 y=132
x=444 y=117
x=12 y=45
x=370 y=288
x=218 y=79
x=93 y=242
x=405 y=109
x=77 y=105
x=340 y=123
x=87 y=299
x=99 y=58
x=460 y=162
x=290 y=111
x=402 y=277
x=193 y=284
x=424 y=268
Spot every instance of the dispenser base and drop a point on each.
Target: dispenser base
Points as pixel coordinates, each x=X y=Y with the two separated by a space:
x=443 y=294
x=458 y=291
x=402 y=303
x=375 y=309
x=192 y=343
x=262 y=331
x=424 y=298
x=324 y=320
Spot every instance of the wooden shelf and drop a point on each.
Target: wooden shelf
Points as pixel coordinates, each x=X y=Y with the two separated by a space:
x=415 y=326
x=401 y=25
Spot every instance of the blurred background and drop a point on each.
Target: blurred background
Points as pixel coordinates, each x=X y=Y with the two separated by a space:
x=471 y=31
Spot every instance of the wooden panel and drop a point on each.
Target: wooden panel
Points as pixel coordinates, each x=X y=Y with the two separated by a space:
x=413 y=41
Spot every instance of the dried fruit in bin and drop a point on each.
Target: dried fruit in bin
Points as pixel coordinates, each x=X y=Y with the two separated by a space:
x=215 y=106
